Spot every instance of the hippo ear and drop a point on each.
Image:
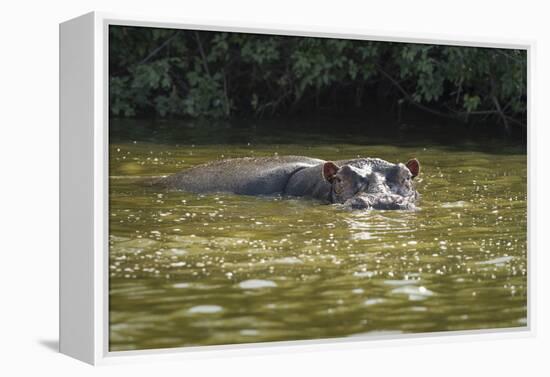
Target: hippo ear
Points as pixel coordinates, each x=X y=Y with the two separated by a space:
x=329 y=170
x=414 y=167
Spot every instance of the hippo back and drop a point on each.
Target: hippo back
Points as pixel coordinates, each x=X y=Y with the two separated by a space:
x=309 y=182
x=246 y=176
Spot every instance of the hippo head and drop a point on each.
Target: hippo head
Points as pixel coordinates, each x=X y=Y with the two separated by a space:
x=365 y=188
x=346 y=181
x=399 y=179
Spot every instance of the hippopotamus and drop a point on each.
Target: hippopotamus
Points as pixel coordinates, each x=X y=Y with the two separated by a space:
x=362 y=183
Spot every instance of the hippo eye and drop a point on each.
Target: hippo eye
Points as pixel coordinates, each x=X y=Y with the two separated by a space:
x=338 y=188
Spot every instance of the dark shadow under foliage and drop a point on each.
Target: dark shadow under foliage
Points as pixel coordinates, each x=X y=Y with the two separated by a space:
x=197 y=74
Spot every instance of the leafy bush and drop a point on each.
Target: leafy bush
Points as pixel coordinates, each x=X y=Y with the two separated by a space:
x=187 y=73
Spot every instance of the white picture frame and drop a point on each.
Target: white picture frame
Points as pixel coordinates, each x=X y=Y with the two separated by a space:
x=84 y=161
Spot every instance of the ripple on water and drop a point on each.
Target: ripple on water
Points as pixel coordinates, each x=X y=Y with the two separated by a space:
x=459 y=204
x=364 y=274
x=363 y=236
x=138 y=242
x=419 y=309
x=249 y=332
x=257 y=284
x=376 y=333
x=498 y=262
x=181 y=285
x=205 y=309
x=178 y=264
x=177 y=251
x=400 y=282
x=288 y=260
x=414 y=293
x=373 y=301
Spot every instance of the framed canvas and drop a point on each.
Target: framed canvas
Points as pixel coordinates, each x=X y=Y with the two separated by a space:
x=242 y=189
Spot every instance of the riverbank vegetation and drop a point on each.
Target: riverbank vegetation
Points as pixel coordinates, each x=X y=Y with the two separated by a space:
x=197 y=74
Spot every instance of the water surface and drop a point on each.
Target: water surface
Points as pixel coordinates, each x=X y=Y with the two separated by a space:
x=189 y=269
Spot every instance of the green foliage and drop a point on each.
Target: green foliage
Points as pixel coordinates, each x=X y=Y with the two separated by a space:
x=194 y=74
x=471 y=102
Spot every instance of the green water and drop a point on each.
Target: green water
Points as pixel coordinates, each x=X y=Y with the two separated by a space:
x=188 y=269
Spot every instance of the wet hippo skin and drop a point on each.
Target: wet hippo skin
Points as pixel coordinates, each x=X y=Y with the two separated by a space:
x=363 y=183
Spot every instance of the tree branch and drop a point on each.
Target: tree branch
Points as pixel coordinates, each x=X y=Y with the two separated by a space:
x=226 y=95
x=499 y=111
x=159 y=48
x=502 y=115
x=408 y=97
x=203 y=55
